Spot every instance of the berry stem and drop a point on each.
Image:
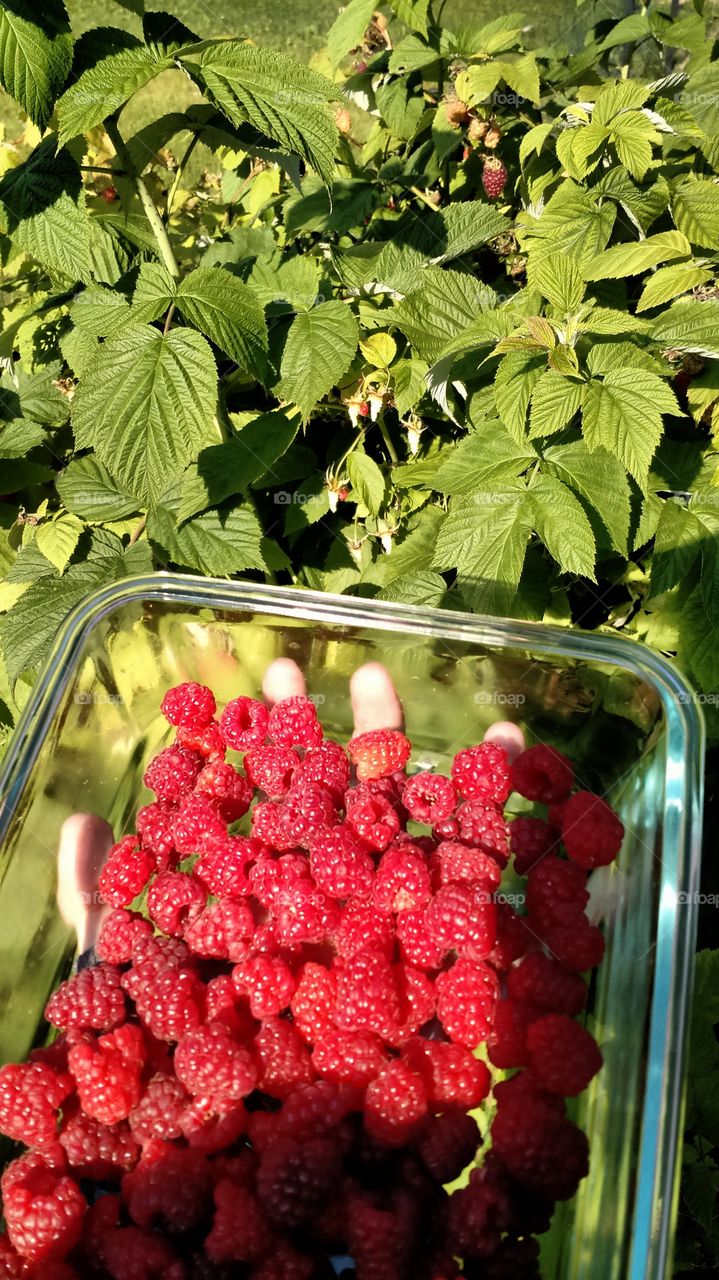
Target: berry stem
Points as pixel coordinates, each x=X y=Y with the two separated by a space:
x=158 y=227
x=178 y=176
x=388 y=440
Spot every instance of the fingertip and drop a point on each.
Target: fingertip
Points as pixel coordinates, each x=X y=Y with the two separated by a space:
x=283 y=679
x=85 y=841
x=375 y=703
x=506 y=734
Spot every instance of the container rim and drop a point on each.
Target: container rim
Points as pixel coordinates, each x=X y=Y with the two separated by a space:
x=657 y=1172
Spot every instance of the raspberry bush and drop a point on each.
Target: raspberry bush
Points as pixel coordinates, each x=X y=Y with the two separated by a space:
x=294 y=1050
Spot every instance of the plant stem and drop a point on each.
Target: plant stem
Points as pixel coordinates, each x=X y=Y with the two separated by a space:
x=100 y=168
x=158 y=227
x=425 y=199
x=168 y=319
x=388 y=440
x=178 y=176
x=137 y=531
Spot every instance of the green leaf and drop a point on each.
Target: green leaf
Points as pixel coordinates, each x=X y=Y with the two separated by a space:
x=555 y=400
x=164 y=33
x=558 y=279
x=319 y=350
x=35 y=54
x=409 y=384
x=699 y=641
x=607 y=356
x=229 y=314
x=517 y=375
x=499 y=34
x=579 y=150
x=295 y=281
x=145 y=406
x=87 y=489
x=400 y=108
x=476 y=85
x=18 y=437
x=415 y=551
x=379 y=350
x=411 y=54
x=464 y=227
x=677 y=544
x=534 y=140
x=642 y=204
x=422 y=588
x=623 y=414
x=444 y=305
x=522 y=75
x=489 y=456
x=367 y=480
x=668 y=282
x=57 y=539
x=695 y=209
x=561 y=522
x=308 y=504
x=633 y=259
x=599 y=478
x=284 y=100
x=101 y=313
x=220 y=542
x=348 y=29
x=413 y=13
x=223 y=470
x=633 y=135
x=619 y=96
x=485 y=539
x=42 y=208
x=154 y=291
x=574 y=222
x=690 y=326
x=114 y=70
x=315 y=208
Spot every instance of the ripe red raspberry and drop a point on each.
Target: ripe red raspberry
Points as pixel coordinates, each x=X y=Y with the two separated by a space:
x=507 y=1041
x=293 y=723
x=453 y=1077
x=313 y=1002
x=173 y=773
x=159 y=1111
x=474 y=1218
x=307 y=808
x=223 y=784
x=282 y=1057
x=395 y=1105
x=483 y=773
x=541 y=1149
x=416 y=944
x=515 y=1259
x=126 y=872
x=207 y=742
x=351 y=1058
x=316 y=1108
x=285 y=1263
x=155 y=823
x=544 y=774
x=530 y=840
x=303 y=913
x=555 y=883
x=592 y=833
x=541 y=981
x=171 y=1002
x=272 y=769
x=296 y=1176
x=189 y=706
x=429 y=798
x=374 y=819
x=174 y=901
x=328 y=764
x=267 y=982
x=271 y=876
x=454 y=863
x=31 y=1094
x=572 y=940
x=98 y=1151
x=363 y=928
x=402 y=881
x=562 y=1054
x=482 y=825
x=43 y=1208
x=129 y=1253
x=367 y=997
x=169 y=1188
x=243 y=723
x=373 y=1237
x=494 y=177
x=211 y=1064
x=240 y=1231
x=107 y=1073
x=466 y=996
x=198 y=826
x=463 y=920
x=151 y=957
x=91 y=1000
x=225 y=869
x=379 y=752
x=223 y=1005
x=415 y=992
x=222 y=931
x=208 y=1129
x=120 y=933
x=340 y=862
x=447 y=1144
x=514 y=937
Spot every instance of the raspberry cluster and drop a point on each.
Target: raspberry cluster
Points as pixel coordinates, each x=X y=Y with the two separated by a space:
x=300 y=1009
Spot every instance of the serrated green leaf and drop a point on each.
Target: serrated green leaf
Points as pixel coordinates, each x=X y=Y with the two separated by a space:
x=315 y=208
x=411 y=54
x=573 y=221
x=579 y=150
x=295 y=281
x=42 y=208
x=348 y=29
x=145 y=406
x=399 y=107
x=669 y=282
x=35 y=54
x=422 y=588
x=319 y=350
x=633 y=259
x=534 y=140
x=443 y=306
x=379 y=350
x=57 y=539
x=87 y=489
x=408 y=380
x=101 y=313
x=116 y=70
x=608 y=323
x=642 y=204
x=517 y=376
x=558 y=279
x=606 y=356
x=414 y=552
x=223 y=470
x=19 y=436
x=633 y=135
x=489 y=456
x=690 y=326
x=485 y=539
x=164 y=33
x=220 y=542
x=700 y=637
x=522 y=75
x=226 y=310
x=465 y=226
x=677 y=543
x=308 y=504
x=561 y=522
x=695 y=209
x=284 y=100
x=153 y=292
x=555 y=400
x=623 y=414
x=619 y=96
x=477 y=83
x=367 y=480
x=599 y=478
x=413 y=13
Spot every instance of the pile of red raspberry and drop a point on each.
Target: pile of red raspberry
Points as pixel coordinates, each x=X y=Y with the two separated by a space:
x=312 y=1011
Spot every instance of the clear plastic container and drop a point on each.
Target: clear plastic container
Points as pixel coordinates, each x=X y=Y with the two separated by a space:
x=621 y=712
